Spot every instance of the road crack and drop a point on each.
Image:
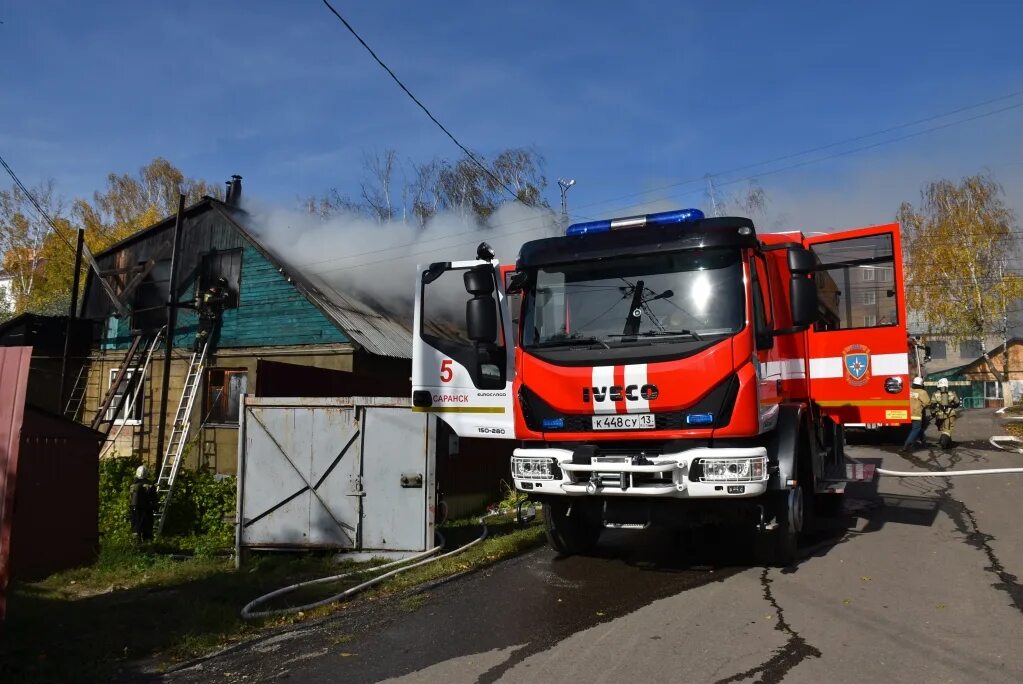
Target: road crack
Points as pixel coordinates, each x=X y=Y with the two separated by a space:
x=965 y=521
x=794 y=651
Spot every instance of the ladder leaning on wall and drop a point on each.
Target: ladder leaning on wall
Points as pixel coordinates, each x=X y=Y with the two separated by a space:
x=179 y=436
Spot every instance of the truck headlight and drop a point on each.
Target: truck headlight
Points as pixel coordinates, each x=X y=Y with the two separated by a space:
x=533 y=468
x=733 y=469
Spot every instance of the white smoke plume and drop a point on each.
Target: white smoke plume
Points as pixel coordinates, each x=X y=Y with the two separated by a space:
x=375 y=261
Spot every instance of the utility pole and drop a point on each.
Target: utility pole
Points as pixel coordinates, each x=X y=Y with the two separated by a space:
x=172 y=321
x=565 y=185
x=71 y=315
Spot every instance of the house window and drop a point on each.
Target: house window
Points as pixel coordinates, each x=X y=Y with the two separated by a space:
x=131 y=413
x=939 y=349
x=869 y=297
x=970 y=349
x=868 y=274
x=227 y=265
x=869 y=320
x=992 y=390
x=224 y=389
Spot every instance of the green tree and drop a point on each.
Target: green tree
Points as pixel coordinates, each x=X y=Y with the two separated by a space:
x=959 y=245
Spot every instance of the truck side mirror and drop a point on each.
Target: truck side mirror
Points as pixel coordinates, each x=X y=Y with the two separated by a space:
x=801 y=260
x=481 y=310
x=481 y=318
x=803 y=301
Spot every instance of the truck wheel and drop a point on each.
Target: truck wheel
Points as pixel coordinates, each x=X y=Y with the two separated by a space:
x=779 y=546
x=570 y=534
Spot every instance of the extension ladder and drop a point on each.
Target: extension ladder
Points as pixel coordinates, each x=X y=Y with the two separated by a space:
x=77 y=396
x=135 y=360
x=179 y=434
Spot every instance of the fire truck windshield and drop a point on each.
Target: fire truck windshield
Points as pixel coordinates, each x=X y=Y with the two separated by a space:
x=655 y=299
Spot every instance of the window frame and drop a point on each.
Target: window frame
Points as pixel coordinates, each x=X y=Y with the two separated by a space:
x=206 y=274
x=129 y=407
x=868 y=267
x=207 y=411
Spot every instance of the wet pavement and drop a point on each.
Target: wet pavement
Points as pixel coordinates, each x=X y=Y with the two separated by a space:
x=916 y=582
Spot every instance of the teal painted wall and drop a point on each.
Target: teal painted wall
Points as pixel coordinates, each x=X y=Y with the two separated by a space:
x=270 y=312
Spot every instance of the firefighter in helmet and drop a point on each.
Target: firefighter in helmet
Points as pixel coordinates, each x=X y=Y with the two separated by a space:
x=944 y=403
x=210 y=307
x=918 y=401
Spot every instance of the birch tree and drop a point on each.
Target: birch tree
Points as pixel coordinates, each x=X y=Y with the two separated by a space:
x=23 y=237
x=959 y=245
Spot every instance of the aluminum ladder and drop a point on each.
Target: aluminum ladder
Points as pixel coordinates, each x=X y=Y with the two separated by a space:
x=135 y=360
x=77 y=396
x=179 y=436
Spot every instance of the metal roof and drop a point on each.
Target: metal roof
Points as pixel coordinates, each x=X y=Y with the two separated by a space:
x=379 y=331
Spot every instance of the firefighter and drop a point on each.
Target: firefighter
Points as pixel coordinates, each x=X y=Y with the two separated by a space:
x=141 y=505
x=943 y=405
x=210 y=306
x=918 y=401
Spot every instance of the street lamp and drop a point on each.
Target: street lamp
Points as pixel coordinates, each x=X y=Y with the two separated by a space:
x=565 y=185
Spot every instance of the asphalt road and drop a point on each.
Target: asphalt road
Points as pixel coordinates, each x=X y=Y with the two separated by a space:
x=916 y=582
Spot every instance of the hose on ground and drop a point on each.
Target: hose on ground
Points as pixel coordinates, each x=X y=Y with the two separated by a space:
x=947 y=473
x=420 y=559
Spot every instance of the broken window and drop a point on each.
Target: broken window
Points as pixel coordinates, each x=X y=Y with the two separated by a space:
x=225 y=264
x=224 y=388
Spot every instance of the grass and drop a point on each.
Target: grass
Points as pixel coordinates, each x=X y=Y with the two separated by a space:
x=86 y=624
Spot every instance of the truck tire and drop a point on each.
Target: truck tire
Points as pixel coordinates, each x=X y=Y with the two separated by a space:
x=570 y=534
x=779 y=546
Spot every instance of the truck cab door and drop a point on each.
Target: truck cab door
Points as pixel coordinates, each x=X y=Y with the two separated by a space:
x=858 y=354
x=467 y=382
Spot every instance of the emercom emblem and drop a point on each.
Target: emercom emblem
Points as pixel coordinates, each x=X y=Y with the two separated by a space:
x=856 y=364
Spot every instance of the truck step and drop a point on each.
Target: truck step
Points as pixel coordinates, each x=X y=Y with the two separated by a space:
x=854 y=472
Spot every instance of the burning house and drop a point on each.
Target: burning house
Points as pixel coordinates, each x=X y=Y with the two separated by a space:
x=278 y=332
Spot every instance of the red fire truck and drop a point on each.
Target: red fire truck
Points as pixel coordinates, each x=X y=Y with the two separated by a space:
x=670 y=368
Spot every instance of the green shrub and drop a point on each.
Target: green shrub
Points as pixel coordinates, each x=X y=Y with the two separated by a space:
x=200 y=518
x=115 y=478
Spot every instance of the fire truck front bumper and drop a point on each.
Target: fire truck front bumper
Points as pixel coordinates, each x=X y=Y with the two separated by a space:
x=693 y=473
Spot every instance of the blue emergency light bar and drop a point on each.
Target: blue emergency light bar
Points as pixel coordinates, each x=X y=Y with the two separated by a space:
x=664 y=218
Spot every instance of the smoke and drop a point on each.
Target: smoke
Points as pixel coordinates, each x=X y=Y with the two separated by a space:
x=376 y=262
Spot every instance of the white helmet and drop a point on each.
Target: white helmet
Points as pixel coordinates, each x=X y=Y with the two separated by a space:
x=918 y=381
x=943 y=384
x=141 y=472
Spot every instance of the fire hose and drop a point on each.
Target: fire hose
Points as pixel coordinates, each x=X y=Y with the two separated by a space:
x=420 y=559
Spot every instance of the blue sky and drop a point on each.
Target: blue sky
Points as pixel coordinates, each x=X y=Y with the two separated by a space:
x=623 y=97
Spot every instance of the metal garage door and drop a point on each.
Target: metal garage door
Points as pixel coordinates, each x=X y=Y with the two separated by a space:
x=334 y=473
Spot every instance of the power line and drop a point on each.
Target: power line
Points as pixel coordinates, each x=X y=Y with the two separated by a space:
x=811 y=150
x=86 y=252
x=753 y=177
x=31 y=198
x=401 y=85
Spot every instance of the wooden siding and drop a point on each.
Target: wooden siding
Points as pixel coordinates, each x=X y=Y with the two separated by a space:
x=271 y=311
x=213 y=448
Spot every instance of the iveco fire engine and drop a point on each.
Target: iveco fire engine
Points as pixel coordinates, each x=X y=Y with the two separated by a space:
x=670 y=368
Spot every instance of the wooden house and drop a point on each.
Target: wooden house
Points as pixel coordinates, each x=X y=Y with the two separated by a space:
x=282 y=333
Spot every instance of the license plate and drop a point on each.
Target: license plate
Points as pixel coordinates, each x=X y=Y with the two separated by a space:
x=636 y=421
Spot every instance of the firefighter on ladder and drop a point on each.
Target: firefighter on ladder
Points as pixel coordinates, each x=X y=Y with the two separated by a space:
x=210 y=306
x=943 y=407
